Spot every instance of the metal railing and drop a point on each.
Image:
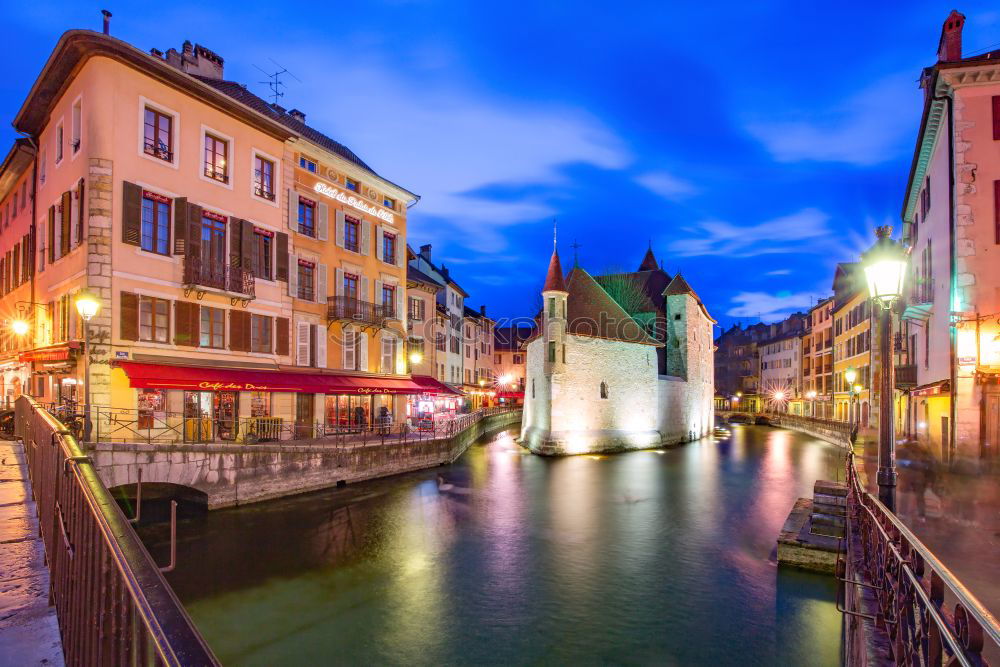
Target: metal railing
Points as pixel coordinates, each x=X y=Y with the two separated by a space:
x=218 y=276
x=129 y=425
x=906 y=376
x=346 y=308
x=890 y=584
x=112 y=602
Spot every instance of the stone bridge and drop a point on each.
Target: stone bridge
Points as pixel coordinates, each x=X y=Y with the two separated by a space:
x=232 y=475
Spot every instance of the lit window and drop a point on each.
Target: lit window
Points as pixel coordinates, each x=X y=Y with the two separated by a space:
x=260 y=333
x=389 y=248
x=307 y=271
x=158 y=135
x=263 y=178
x=351 y=235
x=261 y=265
x=216 y=158
x=155 y=223
x=154 y=319
x=389 y=300
x=307 y=217
x=213 y=328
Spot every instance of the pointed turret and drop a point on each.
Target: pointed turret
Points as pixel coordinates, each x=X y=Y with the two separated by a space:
x=554 y=280
x=679 y=286
x=649 y=261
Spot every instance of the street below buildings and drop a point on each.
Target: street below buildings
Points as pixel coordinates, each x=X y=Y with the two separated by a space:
x=505 y=557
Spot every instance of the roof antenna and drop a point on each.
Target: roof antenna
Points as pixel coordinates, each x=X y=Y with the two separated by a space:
x=575 y=246
x=274 y=80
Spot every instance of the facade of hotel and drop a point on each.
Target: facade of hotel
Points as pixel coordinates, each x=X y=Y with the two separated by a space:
x=252 y=272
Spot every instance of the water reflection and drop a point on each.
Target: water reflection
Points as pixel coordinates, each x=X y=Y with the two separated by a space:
x=511 y=558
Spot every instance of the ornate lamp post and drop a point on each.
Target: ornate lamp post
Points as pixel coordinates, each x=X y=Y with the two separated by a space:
x=87 y=306
x=850 y=375
x=811 y=395
x=885 y=271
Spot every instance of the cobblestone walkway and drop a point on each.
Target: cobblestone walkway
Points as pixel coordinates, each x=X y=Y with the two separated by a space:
x=29 y=633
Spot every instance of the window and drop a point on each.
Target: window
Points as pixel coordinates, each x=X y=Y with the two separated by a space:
x=216 y=158
x=260 y=333
x=213 y=239
x=388 y=202
x=604 y=390
x=389 y=300
x=76 y=129
x=261 y=262
x=439 y=342
x=350 y=286
x=389 y=248
x=155 y=223
x=552 y=307
x=152 y=406
x=24 y=193
x=307 y=217
x=158 y=135
x=552 y=351
x=351 y=234
x=351 y=184
x=307 y=164
x=213 y=327
x=497 y=359
x=518 y=358
x=59 y=143
x=263 y=178
x=388 y=354
x=260 y=404
x=154 y=319
x=417 y=309
x=307 y=271
x=41 y=169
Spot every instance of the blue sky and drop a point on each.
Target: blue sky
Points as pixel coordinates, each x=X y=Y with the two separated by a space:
x=756 y=144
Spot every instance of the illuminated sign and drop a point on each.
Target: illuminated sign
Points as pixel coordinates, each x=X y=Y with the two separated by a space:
x=351 y=200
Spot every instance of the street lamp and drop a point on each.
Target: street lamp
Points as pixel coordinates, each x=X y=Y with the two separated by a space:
x=416 y=358
x=19 y=327
x=885 y=271
x=811 y=395
x=87 y=306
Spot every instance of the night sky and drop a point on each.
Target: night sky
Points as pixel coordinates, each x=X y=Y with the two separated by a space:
x=756 y=143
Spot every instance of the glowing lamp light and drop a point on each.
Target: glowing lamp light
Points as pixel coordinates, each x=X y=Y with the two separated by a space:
x=505 y=380
x=850 y=375
x=20 y=327
x=779 y=395
x=482 y=382
x=885 y=268
x=416 y=357
x=858 y=388
x=87 y=305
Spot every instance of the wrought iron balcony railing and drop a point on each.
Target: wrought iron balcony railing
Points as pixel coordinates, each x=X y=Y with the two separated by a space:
x=906 y=376
x=346 y=308
x=200 y=273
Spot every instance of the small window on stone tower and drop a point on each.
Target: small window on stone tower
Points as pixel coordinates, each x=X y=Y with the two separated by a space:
x=677 y=316
x=552 y=307
x=552 y=351
x=532 y=387
x=604 y=390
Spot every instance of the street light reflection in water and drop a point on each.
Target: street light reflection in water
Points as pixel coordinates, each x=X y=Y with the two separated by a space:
x=518 y=559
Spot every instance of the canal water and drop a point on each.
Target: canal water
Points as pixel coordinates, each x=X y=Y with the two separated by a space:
x=662 y=557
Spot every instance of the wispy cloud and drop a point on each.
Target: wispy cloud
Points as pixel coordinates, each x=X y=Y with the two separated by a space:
x=666 y=185
x=779 y=272
x=799 y=231
x=864 y=130
x=770 y=307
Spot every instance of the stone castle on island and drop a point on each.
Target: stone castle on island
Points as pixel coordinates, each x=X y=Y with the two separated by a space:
x=621 y=361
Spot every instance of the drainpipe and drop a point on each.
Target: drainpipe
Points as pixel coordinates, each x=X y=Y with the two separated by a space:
x=34 y=240
x=952 y=273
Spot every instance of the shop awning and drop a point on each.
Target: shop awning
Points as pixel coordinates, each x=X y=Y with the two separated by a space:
x=164 y=376
x=432 y=386
x=510 y=394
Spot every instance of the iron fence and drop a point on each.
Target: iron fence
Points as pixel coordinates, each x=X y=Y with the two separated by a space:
x=223 y=277
x=892 y=586
x=112 y=602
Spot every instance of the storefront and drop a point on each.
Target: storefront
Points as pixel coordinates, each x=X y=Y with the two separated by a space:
x=14 y=378
x=510 y=398
x=436 y=402
x=54 y=374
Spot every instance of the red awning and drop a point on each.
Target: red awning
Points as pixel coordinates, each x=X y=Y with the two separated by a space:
x=510 y=394
x=432 y=386
x=163 y=376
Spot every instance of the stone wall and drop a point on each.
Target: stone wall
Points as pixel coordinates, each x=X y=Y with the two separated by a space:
x=98 y=193
x=242 y=474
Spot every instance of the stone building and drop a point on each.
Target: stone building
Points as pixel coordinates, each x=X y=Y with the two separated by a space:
x=620 y=362
x=817 y=360
x=509 y=360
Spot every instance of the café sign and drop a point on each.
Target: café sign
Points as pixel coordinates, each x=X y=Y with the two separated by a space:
x=353 y=201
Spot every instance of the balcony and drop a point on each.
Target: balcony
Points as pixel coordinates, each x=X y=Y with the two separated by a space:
x=203 y=276
x=362 y=313
x=906 y=376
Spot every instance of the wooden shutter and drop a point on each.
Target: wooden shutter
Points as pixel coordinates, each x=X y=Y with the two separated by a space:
x=293 y=276
x=246 y=244
x=377 y=300
x=81 y=210
x=193 y=248
x=180 y=211
x=235 y=233
x=128 y=316
x=131 y=214
x=281 y=336
x=187 y=324
x=52 y=234
x=322 y=286
x=363 y=351
x=281 y=257
x=339 y=228
x=378 y=242
x=323 y=215
x=996 y=117
x=363 y=293
x=239 y=331
x=349 y=348
x=293 y=209
x=64 y=223
x=338 y=282
x=399 y=302
x=302 y=339
x=366 y=237
x=321 y=334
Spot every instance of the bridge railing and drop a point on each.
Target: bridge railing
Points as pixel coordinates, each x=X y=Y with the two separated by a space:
x=112 y=602
x=898 y=595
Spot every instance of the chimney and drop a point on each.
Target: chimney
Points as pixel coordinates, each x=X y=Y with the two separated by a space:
x=107 y=21
x=482 y=310
x=196 y=59
x=297 y=115
x=425 y=252
x=950 y=45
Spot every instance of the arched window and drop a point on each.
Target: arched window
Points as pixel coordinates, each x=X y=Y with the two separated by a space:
x=532 y=387
x=604 y=389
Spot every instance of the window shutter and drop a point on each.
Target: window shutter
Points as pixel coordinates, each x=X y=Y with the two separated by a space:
x=322 y=286
x=400 y=245
x=293 y=275
x=66 y=226
x=302 y=344
x=239 y=331
x=348 y=348
x=246 y=244
x=131 y=213
x=281 y=336
x=338 y=287
x=323 y=213
x=193 y=248
x=366 y=237
x=180 y=212
x=378 y=293
x=129 y=316
x=399 y=302
x=363 y=293
x=996 y=117
x=293 y=209
x=281 y=257
x=363 y=351
x=187 y=324
x=40 y=229
x=235 y=234
x=52 y=234
x=339 y=228
x=321 y=334
x=378 y=242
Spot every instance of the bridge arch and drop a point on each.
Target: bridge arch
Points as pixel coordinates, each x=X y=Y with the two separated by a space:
x=156 y=497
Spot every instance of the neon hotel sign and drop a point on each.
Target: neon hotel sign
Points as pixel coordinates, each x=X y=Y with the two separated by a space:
x=351 y=200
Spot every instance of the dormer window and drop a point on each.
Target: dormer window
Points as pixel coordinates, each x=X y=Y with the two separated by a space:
x=352 y=184
x=388 y=202
x=307 y=164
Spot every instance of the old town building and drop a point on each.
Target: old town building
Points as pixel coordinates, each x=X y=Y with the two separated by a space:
x=451 y=308
x=509 y=360
x=477 y=350
x=817 y=361
x=852 y=337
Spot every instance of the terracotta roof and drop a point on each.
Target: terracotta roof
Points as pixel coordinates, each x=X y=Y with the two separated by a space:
x=419 y=276
x=680 y=286
x=649 y=261
x=592 y=312
x=554 y=278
